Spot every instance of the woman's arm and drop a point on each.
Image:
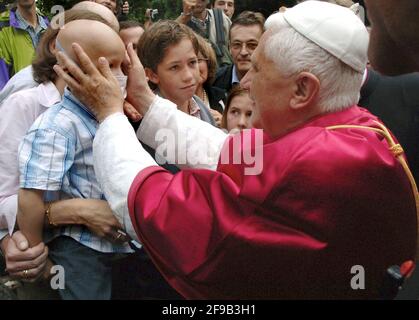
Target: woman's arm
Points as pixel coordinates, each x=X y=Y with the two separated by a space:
x=95 y=214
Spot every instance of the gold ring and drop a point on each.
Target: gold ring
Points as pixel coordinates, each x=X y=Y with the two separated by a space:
x=25 y=273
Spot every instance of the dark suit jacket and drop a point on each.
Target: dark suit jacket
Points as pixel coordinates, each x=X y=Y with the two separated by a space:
x=215 y=95
x=395 y=100
x=223 y=79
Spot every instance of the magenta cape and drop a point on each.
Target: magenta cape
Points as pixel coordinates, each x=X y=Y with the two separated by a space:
x=324 y=202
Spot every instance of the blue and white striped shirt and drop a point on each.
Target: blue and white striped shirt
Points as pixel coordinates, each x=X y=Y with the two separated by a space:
x=35 y=33
x=56 y=155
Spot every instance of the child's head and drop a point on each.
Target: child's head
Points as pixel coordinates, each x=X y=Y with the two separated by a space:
x=168 y=51
x=238 y=110
x=97 y=40
x=45 y=60
x=101 y=10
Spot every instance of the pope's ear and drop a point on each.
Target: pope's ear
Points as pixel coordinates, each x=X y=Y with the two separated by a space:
x=306 y=90
x=152 y=76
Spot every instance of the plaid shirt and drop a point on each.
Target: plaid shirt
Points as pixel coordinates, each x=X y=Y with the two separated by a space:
x=56 y=155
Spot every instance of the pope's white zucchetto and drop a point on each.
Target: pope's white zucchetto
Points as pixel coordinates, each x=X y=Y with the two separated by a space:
x=334 y=28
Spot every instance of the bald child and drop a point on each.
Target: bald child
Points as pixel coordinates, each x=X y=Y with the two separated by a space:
x=101 y=10
x=56 y=162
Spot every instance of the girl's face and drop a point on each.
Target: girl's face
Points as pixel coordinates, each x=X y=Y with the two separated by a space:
x=239 y=113
x=203 y=69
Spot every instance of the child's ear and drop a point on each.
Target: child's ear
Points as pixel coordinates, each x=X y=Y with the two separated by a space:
x=153 y=77
x=51 y=46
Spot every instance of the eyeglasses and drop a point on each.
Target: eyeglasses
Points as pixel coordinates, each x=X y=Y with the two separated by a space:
x=248 y=45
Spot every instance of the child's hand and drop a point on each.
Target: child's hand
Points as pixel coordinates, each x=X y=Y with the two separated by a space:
x=217 y=117
x=131 y=112
x=47 y=271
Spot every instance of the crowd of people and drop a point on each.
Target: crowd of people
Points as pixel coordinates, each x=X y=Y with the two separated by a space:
x=221 y=155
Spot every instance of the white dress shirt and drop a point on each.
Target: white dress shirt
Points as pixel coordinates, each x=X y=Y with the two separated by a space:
x=18 y=112
x=119 y=157
x=20 y=81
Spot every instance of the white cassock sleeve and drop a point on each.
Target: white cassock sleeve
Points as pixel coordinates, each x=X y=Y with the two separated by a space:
x=179 y=138
x=118 y=157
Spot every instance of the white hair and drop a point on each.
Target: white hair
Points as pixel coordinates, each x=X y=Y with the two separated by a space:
x=293 y=53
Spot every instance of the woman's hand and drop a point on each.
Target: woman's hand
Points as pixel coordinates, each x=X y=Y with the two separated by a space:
x=96 y=88
x=24 y=263
x=98 y=217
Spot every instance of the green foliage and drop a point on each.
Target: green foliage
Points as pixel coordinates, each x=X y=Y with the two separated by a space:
x=264 y=6
x=46 y=5
x=170 y=9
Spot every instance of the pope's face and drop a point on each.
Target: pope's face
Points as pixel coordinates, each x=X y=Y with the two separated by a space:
x=394 y=42
x=270 y=91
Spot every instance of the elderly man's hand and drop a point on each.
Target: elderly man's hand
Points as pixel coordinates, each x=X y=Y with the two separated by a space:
x=96 y=88
x=139 y=93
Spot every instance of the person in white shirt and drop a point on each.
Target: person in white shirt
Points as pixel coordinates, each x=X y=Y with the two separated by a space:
x=19 y=111
x=24 y=78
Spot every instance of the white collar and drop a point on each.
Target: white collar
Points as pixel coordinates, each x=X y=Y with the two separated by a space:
x=48 y=94
x=234 y=78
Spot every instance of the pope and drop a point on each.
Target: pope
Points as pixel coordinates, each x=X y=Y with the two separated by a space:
x=334 y=191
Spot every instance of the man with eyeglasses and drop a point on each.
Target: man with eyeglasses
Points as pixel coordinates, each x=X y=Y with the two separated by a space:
x=245 y=33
